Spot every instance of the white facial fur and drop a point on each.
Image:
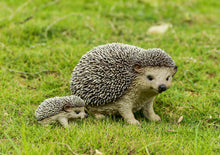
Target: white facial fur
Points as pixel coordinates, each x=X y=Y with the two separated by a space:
x=150 y=78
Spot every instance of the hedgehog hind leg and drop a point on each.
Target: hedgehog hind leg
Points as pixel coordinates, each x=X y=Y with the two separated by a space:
x=44 y=123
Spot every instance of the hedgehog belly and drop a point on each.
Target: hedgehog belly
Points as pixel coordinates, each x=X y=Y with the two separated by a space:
x=110 y=109
x=131 y=99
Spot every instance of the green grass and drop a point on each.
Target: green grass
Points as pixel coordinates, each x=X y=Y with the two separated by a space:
x=51 y=36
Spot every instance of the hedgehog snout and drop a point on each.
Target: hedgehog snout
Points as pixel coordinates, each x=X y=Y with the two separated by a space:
x=86 y=116
x=162 y=88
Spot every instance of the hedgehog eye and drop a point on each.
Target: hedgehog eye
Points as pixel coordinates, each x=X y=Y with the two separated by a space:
x=149 y=77
x=167 y=78
x=77 y=111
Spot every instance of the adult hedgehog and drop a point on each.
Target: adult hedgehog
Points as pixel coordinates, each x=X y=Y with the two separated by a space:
x=121 y=79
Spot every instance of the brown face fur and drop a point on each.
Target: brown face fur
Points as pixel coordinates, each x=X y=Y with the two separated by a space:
x=155 y=79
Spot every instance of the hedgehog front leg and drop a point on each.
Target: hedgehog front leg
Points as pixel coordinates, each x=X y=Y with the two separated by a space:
x=64 y=122
x=125 y=110
x=148 y=111
x=129 y=117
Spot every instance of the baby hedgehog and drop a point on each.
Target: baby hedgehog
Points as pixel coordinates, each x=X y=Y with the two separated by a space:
x=122 y=79
x=60 y=109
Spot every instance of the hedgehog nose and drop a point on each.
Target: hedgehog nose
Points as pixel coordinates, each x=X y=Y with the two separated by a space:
x=162 y=88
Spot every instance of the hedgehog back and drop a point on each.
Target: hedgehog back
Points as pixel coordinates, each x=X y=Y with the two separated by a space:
x=106 y=72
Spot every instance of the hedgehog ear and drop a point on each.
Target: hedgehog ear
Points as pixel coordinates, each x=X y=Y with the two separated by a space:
x=66 y=108
x=137 y=68
x=174 y=70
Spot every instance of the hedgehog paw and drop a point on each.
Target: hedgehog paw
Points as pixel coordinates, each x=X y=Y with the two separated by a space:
x=134 y=122
x=155 y=118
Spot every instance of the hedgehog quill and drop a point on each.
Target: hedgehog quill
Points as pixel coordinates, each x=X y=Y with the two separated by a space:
x=122 y=79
